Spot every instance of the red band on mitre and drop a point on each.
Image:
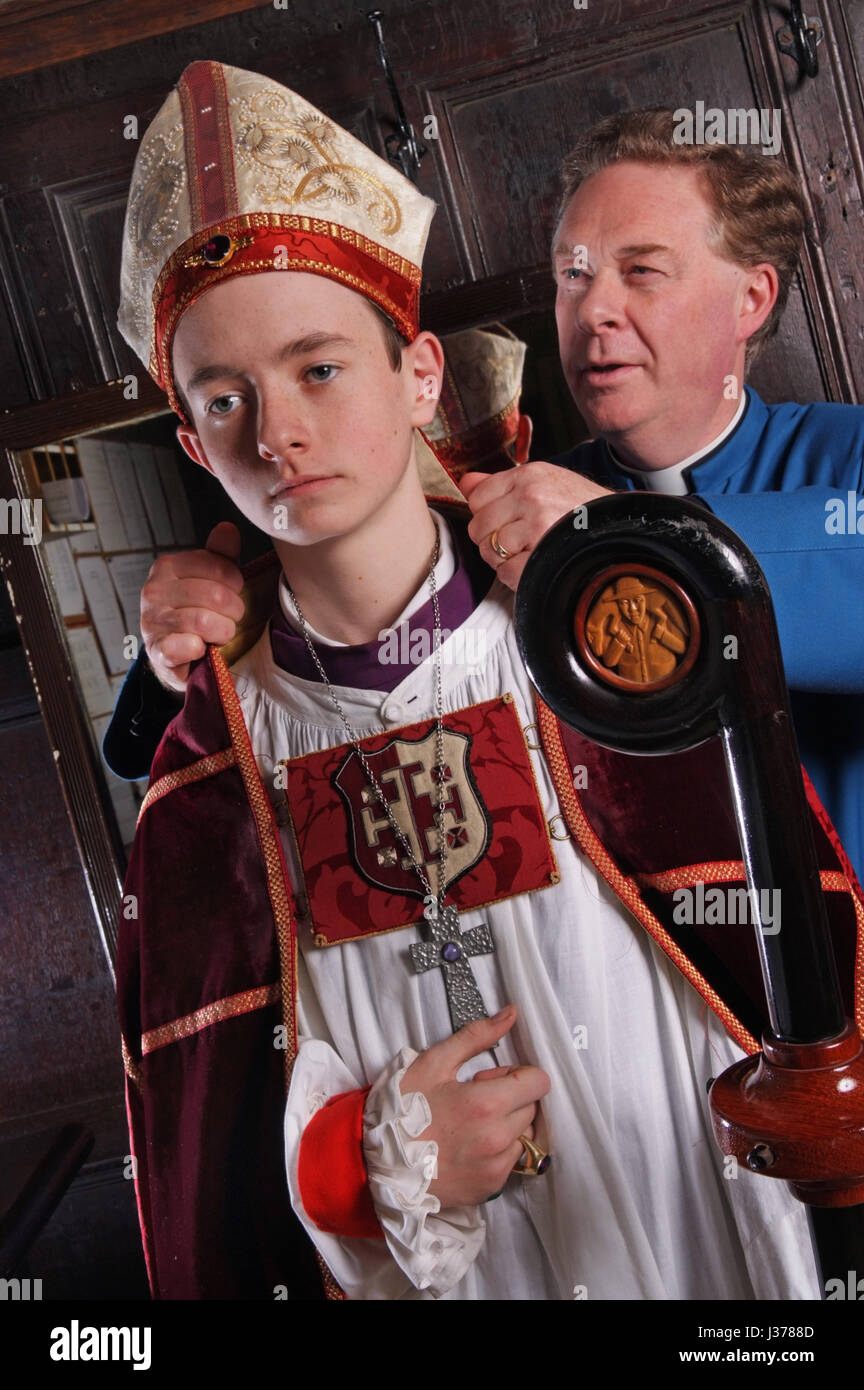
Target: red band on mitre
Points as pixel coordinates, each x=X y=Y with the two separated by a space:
x=470 y=448
x=331 y=1169
x=209 y=146
x=279 y=241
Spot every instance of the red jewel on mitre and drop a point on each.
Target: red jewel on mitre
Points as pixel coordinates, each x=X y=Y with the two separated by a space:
x=219 y=249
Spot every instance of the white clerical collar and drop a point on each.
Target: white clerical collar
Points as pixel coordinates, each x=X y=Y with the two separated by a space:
x=671 y=480
x=444 y=570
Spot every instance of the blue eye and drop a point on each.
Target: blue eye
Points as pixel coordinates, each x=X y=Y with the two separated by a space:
x=211 y=410
x=328 y=367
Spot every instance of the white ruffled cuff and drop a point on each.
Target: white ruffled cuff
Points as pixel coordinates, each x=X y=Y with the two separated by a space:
x=434 y=1249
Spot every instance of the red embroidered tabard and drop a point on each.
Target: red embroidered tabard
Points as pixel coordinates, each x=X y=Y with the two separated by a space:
x=358 y=877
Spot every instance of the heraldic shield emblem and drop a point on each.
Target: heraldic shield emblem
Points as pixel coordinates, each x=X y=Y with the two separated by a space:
x=407 y=774
x=357 y=874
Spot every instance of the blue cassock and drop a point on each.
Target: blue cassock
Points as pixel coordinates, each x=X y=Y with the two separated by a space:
x=782 y=479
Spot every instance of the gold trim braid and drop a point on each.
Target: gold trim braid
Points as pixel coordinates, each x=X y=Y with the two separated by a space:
x=230 y=1007
x=714 y=871
x=333 y=1291
x=195 y=772
x=130 y=1066
x=727 y=871
x=271 y=850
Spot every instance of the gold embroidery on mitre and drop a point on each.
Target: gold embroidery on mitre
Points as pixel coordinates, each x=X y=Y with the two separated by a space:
x=155 y=211
x=298 y=162
x=154 y=200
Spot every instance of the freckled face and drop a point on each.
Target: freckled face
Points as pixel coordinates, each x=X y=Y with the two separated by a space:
x=648 y=330
x=296 y=407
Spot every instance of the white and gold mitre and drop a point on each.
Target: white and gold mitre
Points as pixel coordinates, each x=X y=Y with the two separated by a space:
x=478 y=413
x=235 y=175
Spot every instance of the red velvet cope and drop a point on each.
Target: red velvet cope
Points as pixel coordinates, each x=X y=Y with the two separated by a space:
x=331 y=1169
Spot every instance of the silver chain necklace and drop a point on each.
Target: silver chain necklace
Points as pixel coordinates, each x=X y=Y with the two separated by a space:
x=446 y=947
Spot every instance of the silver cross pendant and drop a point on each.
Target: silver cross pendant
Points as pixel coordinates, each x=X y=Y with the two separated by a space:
x=449 y=948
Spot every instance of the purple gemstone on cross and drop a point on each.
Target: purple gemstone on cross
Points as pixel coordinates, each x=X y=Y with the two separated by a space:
x=544 y=1164
x=448 y=948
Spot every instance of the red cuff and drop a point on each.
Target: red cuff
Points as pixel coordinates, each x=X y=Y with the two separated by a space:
x=331 y=1169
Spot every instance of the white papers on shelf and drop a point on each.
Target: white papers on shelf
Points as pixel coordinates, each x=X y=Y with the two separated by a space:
x=106 y=509
x=128 y=494
x=147 y=475
x=104 y=609
x=98 y=696
x=84 y=542
x=64 y=576
x=175 y=496
x=129 y=574
x=66 y=500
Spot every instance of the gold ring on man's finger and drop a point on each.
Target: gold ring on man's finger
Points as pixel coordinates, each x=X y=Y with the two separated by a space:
x=499 y=549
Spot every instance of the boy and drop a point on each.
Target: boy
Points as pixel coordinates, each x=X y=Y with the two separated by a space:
x=192 y=597
x=280 y=816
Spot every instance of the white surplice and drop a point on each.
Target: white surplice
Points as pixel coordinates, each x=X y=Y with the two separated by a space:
x=635 y=1204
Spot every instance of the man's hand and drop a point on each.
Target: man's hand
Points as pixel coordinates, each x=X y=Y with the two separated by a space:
x=191 y=597
x=521 y=504
x=476 y=1124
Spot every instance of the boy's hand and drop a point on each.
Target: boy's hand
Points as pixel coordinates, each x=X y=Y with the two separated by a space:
x=476 y=1124
x=521 y=504
x=191 y=597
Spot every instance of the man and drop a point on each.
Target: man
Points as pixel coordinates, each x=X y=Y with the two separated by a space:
x=311 y=806
x=673 y=264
